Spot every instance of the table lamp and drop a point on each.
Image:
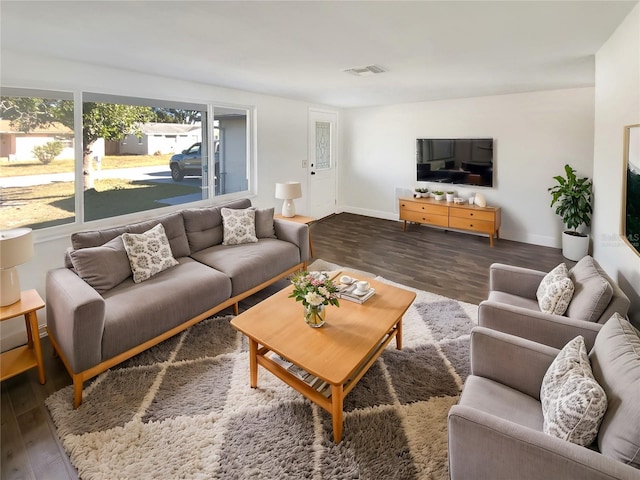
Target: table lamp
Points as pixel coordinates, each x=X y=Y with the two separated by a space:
x=288 y=191
x=16 y=248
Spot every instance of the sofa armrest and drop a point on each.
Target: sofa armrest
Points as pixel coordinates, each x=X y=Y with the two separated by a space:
x=513 y=361
x=485 y=446
x=296 y=233
x=75 y=318
x=519 y=281
x=548 y=329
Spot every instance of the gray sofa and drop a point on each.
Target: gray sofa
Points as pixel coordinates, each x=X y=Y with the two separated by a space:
x=98 y=317
x=512 y=306
x=496 y=430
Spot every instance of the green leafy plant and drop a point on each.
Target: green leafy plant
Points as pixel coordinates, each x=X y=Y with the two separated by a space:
x=313 y=289
x=572 y=198
x=438 y=192
x=422 y=190
x=48 y=152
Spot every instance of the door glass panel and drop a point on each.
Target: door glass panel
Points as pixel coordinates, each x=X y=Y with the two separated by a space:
x=323 y=145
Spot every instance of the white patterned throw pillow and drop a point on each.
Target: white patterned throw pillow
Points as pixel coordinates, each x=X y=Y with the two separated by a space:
x=149 y=253
x=555 y=291
x=573 y=403
x=239 y=226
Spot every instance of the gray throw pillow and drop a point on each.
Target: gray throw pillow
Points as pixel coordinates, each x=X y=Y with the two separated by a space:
x=264 y=223
x=555 y=291
x=615 y=359
x=592 y=291
x=102 y=267
x=149 y=253
x=573 y=403
x=239 y=226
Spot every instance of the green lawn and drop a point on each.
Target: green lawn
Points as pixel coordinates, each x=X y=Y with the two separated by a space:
x=47 y=205
x=34 y=167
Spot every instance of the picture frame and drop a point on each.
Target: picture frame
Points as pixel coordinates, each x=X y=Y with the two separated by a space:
x=630 y=225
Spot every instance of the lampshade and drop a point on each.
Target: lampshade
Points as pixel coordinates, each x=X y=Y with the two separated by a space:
x=288 y=191
x=16 y=248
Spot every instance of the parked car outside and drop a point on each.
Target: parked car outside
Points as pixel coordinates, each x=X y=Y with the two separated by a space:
x=189 y=162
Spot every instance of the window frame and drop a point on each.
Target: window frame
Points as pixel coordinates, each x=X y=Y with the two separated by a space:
x=80 y=95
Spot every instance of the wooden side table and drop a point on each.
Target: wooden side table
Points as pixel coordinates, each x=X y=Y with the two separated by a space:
x=23 y=358
x=299 y=219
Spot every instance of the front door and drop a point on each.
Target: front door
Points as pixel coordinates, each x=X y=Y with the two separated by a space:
x=322 y=163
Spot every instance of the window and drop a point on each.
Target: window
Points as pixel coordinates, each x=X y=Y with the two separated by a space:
x=134 y=155
x=36 y=158
x=230 y=150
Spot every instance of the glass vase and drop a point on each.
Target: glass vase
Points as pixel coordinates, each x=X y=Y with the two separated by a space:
x=314 y=315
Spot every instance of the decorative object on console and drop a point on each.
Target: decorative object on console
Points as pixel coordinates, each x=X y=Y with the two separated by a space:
x=315 y=290
x=16 y=248
x=438 y=195
x=479 y=200
x=573 y=198
x=421 y=192
x=288 y=191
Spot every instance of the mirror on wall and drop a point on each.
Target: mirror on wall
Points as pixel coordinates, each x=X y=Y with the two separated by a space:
x=631 y=192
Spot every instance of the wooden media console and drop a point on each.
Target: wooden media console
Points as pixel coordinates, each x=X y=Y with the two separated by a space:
x=458 y=216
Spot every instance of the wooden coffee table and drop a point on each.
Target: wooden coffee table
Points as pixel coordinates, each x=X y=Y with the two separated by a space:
x=339 y=353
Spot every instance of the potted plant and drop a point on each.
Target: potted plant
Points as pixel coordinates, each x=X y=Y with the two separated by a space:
x=450 y=194
x=572 y=198
x=421 y=192
x=438 y=195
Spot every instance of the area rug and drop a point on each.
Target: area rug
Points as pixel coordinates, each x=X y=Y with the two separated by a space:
x=184 y=409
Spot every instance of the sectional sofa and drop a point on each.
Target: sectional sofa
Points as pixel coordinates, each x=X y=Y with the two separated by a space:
x=98 y=315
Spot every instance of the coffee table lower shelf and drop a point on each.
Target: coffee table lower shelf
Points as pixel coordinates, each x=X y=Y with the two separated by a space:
x=332 y=404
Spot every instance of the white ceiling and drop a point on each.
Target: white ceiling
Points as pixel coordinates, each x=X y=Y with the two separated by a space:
x=432 y=50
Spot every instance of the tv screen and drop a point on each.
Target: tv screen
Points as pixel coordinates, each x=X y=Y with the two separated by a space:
x=463 y=161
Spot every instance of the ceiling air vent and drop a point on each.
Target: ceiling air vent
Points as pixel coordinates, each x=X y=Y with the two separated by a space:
x=366 y=70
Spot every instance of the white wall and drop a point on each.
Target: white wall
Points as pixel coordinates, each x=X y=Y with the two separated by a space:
x=617 y=103
x=281 y=143
x=535 y=134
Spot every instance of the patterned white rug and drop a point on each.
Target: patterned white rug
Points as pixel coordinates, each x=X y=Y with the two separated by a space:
x=184 y=409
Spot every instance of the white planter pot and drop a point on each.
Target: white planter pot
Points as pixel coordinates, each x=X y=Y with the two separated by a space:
x=574 y=247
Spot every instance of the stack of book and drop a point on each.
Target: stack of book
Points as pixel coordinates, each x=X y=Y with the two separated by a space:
x=314 y=382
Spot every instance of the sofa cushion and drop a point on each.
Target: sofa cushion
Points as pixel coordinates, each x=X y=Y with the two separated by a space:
x=102 y=267
x=137 y=312
x=173 y=226
x=555 y=291
x=514 y=300
x=502 y=401
x=239 y=226
x=592 y=291
x=573 y=403
x=615 y=359
x=264 y=223
x=149 y=253
x=250 y=264
x=203 y=226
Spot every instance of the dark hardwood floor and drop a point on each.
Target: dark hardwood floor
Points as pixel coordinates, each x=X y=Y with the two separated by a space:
x=448 y=263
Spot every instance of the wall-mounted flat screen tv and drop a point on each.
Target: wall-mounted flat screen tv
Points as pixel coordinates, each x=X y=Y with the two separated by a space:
x=463 y=161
